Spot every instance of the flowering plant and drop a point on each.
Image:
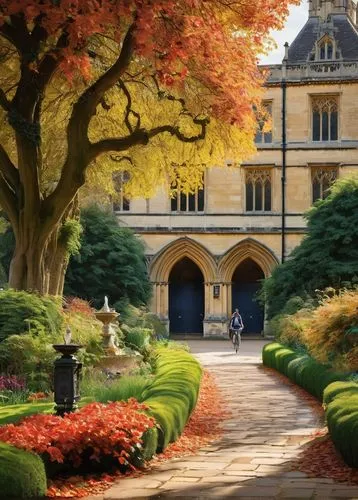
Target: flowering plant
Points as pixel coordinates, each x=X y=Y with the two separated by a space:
x=11 y=383
x=95 y=431
x=37 y=396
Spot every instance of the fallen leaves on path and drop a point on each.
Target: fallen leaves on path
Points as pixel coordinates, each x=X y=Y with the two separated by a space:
x=319 y=457
x=204 y=426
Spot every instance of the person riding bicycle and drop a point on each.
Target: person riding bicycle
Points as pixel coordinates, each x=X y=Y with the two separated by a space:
x=236 y=323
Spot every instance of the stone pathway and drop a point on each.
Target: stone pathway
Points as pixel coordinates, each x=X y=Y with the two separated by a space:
x=269 y=426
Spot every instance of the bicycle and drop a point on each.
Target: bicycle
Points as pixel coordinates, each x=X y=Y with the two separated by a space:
x=236 y=339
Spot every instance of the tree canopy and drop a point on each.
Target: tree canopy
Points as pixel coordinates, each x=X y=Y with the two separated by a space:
x=111 y=262
x=327 y=256
x=157 y=88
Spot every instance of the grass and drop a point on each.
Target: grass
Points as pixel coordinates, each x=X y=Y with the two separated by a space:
x=128 y=386
x=10 y=414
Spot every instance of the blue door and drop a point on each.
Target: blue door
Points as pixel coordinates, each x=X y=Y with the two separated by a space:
x=243 y=297
x=246 y=283
x=186 y=298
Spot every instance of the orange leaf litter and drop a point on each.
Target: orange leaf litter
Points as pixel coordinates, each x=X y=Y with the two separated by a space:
x=204 y=426
x=319 y=457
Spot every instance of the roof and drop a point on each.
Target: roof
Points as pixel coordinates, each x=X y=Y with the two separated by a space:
x=340 y=27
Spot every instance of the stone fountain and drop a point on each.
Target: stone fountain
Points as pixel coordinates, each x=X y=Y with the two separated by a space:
x=107 y=316
x=115 y=360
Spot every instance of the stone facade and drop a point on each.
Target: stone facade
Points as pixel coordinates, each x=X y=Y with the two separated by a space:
x=229 y=232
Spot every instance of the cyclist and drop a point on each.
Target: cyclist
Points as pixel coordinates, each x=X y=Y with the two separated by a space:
x=235 y=323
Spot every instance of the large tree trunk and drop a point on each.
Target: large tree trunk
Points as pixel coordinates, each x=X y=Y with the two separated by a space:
x=41 y=256
x=28 y=266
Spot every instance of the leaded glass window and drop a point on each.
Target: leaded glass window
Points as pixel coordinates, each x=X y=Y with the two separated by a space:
x=120 y=202
x=258 y=190
x=324 y=118
x=187 y=202
x=264 y=136
x=322 y=180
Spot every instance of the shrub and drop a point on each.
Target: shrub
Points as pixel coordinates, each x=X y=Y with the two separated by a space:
x=289 y=329
x=327 y=256
x=93 y=434
x=22 y=474
x=172 y=394
x=111 y=262
x=137 y=338
x=21 y=312
x=301 y=369
x=30 y=357
x=332 y=334
x=341 y=400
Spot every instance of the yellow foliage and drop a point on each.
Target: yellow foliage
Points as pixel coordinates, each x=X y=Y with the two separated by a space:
x=332 y=334
x=163 y=161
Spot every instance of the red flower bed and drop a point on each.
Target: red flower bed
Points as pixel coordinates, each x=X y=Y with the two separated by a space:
x=95 y=431
x=204 y=426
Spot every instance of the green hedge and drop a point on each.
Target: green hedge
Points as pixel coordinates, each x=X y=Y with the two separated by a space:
x=173 y=393
x=22 y=474
x=301 y=368
x=341 y=401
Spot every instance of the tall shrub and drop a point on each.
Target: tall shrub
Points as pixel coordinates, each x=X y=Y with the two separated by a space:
x=21 y=312
x=111 y=262
x=327 y=256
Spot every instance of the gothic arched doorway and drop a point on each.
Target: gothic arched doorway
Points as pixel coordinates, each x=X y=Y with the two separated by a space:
x=245 y=285
x=186 y=298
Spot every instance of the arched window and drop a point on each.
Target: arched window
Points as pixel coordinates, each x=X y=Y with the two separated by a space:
x=326 y=50
x=324 y=118
x=187 y=202
x=258 y=190
x=264 y=136
x=322 y=180
x=120 y=202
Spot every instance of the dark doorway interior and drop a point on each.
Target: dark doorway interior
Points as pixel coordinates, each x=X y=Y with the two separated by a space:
x=186 y=298
x=245 y=285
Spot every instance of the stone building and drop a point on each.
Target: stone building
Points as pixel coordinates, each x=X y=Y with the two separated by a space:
x=207 y=251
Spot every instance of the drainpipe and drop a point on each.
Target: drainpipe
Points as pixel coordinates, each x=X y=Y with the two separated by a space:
x=284 y=152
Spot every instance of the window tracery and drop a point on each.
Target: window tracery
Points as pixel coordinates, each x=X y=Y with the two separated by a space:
x=264 y=125
x=120 y=202
x=325 y=118
x=322 y=180
x=258 y=190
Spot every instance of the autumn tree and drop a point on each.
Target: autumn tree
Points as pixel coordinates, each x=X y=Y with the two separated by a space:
x=89 y=86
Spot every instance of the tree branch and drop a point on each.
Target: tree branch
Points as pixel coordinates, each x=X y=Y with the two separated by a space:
x=4 y=103
x=129 y=110
x=8 y=169
x=9 y=202
x=142 y=136
x=80 y=152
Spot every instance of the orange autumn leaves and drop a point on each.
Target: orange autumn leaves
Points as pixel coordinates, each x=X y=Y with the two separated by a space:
x=214 y=42
x=114 y=430
x=203 y=427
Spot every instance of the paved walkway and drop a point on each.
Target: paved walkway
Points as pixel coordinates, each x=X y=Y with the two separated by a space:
x=252 y=459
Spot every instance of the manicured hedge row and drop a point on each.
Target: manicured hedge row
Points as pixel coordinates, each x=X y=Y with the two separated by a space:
x=173 y=393
x=301 y=369
x=341 y=402
x=22 y=474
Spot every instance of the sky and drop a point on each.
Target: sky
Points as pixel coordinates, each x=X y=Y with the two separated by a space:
x=298 y=17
